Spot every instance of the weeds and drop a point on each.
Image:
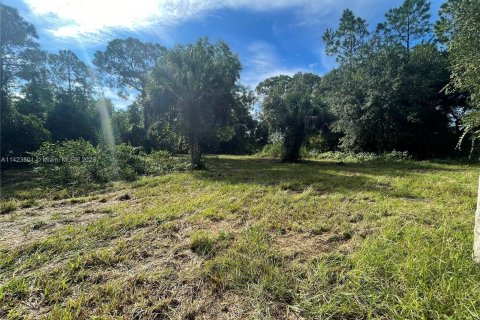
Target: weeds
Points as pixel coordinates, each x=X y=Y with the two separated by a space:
x=253 y=238
x=8 y=206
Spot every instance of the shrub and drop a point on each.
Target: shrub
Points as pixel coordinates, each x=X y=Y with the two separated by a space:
x=361 y=156
x=70 y=162
x=276 y=150
x=317 y=142
x=397 y=155
x=161 y=161
x=272 y=150
x=129 y=162
x=78 y=162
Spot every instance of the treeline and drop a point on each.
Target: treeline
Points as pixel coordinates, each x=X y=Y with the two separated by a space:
x=57 y=97
x=405 y=85
x=398 y=87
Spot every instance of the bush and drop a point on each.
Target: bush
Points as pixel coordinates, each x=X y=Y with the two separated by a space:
x=70 y=162
x=20 y=134
x=343 y=156
x=397 y=155
x=272 y=150
x=361 y=156
x=275 y=150
x=159 y=162
x=318 y=143
x=129 y=162
x=78 y=162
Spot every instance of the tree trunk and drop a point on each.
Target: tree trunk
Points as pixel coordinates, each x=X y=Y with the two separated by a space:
x=293 y=143
x=195 y=154
x=476 y=233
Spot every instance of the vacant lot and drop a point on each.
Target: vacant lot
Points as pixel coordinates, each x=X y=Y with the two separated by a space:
x=247 y=238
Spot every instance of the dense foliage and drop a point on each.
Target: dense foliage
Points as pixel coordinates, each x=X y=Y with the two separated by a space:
x=292 y=107
x=196 y=83
x=79 y=163
x=459 y=29
x=388 y=95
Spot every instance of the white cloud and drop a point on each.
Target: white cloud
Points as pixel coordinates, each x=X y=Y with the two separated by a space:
x=263 y=62
x=75 y=18
x=89 y=18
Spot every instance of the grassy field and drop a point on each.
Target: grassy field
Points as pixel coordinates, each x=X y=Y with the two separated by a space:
x=247 y=238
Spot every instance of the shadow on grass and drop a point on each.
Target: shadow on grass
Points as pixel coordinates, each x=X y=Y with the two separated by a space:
x=24 y=183
x=323 y=176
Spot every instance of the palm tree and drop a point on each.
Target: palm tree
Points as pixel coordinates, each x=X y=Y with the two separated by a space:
x=200 y=79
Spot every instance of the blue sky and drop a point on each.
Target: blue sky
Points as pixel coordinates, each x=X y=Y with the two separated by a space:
x=271 y=37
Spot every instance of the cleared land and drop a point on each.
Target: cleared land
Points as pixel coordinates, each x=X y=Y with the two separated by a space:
x=247 y=238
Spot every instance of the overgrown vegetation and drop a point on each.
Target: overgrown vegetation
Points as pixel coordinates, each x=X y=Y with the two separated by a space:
x=458 y=28
x=252 y=238
x=101 y=216
x=78 y=162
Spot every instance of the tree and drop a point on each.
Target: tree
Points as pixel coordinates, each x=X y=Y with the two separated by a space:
x=74 y=113
x=20 y=62
x=387 y=104
x=236 y=134
x=136 y=133
x=290 y=107
x=388 y=99
x=459 y=29
x=17 y=39
x=71 y=75
x=126 y=63
x=19 y=133
x=348 y=39
x=429 y=111
x=408 y=23
x=69 y=120
x=37 y=92
x=201 y=80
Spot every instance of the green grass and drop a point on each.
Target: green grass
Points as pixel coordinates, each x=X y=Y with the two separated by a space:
x=251 y=238
x=7 y=206
x=208 y=244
